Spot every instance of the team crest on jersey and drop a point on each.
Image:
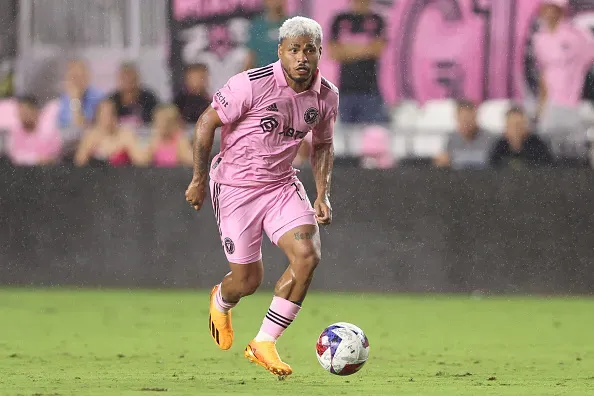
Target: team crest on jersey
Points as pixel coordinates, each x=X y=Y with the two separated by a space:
x=229 y=246
x=311 y=115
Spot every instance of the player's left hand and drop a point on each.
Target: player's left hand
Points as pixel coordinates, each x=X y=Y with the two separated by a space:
x=323 y=210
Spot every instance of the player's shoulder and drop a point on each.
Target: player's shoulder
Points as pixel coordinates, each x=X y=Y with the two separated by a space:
x=327 y=86
x=260 y=75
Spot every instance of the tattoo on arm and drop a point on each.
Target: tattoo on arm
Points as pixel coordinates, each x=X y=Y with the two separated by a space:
x=323 y=161
x=203 y=140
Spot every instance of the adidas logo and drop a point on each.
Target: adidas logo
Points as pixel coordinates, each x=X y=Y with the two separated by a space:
x=272 y=107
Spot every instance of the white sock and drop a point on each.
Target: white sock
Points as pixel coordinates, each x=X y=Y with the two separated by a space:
x=264 y=337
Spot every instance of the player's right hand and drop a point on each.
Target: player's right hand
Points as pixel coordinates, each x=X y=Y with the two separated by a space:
x=195 y=194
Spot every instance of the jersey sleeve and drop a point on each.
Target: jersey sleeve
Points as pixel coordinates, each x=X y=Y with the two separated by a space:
x=233 y=100
x=324 y=131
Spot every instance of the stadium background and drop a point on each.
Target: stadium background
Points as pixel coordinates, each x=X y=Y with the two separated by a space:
x=122 y=234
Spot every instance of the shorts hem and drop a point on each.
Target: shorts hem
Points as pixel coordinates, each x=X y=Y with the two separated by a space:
x=308 y=219
x=252 y=258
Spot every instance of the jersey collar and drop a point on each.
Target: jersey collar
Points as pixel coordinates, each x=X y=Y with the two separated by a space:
x=281 y=80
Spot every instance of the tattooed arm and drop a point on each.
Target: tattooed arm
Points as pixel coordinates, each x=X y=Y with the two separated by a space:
x=206 y=126
x=322 y=163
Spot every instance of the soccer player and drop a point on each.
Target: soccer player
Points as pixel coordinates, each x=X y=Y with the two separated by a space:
x=265 y=113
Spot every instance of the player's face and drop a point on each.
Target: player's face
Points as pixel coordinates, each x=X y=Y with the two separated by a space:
x=299 y=57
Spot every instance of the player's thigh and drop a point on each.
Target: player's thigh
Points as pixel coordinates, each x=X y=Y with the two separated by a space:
x=302 y=245
x=239 y=219
x=291 y=224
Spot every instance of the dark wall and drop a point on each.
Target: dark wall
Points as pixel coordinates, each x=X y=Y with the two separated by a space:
x=404 y=230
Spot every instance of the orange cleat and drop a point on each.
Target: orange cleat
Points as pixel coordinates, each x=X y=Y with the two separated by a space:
x=219 y=324
x=264 y=354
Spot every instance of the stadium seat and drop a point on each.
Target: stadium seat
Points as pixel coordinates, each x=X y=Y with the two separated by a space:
x=587 y=112
x=428 y=145
x=400 y=146
x=491 y=115
x=405 y=117
x=437 y=116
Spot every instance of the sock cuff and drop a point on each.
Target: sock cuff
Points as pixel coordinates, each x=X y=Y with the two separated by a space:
x=285 y=306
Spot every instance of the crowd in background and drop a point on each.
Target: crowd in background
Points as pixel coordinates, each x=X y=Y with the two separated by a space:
x=131 y=126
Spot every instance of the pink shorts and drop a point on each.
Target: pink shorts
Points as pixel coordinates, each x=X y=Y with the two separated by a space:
x=243 y=213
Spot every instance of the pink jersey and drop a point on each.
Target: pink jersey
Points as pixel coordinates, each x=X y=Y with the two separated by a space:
x=265 y=122
x=564 y=57
x=33 y=148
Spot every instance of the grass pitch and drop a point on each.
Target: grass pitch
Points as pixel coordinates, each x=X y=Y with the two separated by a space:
x=89 y=342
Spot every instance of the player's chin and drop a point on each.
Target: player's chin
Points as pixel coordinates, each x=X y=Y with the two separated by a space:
x=301 y=78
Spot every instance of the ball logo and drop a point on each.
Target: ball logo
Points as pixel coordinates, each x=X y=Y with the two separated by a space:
x=229 y=246
x=311 y=115
x=268 y=124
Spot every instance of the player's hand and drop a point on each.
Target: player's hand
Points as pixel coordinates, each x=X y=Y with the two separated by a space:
x=195 y=193
x=323 y=210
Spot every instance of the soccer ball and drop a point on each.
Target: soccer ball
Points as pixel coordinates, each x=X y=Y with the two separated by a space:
x=342 y=349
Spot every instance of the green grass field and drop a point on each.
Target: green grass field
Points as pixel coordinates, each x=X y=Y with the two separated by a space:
x=89 y=342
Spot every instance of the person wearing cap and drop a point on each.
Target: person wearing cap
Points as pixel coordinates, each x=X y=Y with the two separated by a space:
x=564 y=54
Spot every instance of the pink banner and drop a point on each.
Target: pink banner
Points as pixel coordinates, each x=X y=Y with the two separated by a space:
x=453 y=48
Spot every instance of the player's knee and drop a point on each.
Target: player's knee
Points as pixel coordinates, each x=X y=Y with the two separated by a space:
x=249 y=285
x=306 y=260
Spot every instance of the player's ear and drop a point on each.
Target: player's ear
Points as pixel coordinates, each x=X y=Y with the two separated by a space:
x=278 y=51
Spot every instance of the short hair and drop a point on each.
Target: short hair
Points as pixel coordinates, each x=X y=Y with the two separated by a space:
x=465 y=104
x=196 y=67
x=29 y=100
x=300 y=26
x=515 y=109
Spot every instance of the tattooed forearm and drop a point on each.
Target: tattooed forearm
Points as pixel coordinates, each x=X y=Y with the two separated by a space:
x=203 y=140
x=323 y=161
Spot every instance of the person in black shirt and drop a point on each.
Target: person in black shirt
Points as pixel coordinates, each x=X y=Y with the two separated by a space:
x=134 y=103
x=194 y=98
x=519 y=147
x=357 y=43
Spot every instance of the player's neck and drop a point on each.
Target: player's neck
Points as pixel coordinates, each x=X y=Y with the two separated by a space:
x=297 y=86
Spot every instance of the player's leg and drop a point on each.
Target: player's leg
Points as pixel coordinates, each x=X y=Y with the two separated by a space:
x=292 y=226
x=240 y=227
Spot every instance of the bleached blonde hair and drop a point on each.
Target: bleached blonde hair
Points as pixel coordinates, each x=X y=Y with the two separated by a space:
x=300 y=26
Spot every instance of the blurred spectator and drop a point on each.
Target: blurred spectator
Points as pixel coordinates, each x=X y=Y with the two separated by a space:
x=564 y=54
x=376 y=148
x=469 y=147
x=79 y=100
x=108 y=143
x=357 y=43
x=31 y=142
x=77 y=104
x=519 y=146
x=194 y=98
x=134 y=103
x=168 y=147
x=263 y=41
